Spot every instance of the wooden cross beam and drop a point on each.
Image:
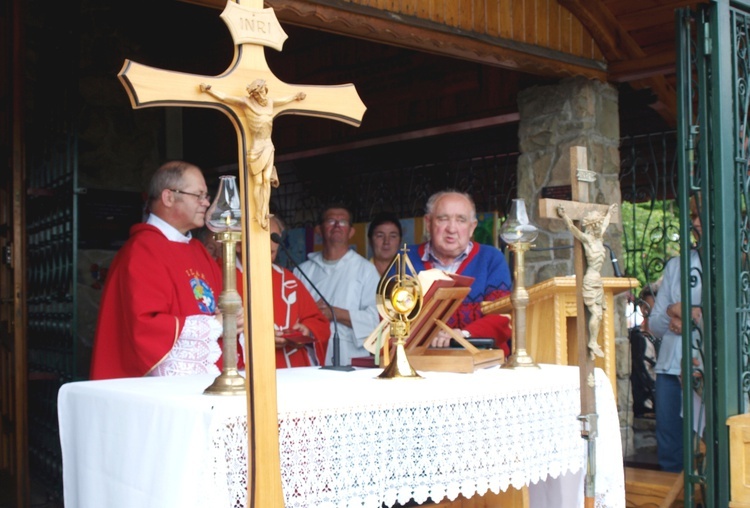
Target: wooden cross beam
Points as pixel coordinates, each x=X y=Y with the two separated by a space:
x=591 y=302
x=251 y=96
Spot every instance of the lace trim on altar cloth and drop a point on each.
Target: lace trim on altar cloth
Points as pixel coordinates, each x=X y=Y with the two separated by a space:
x=196 y=350
x=365 y=457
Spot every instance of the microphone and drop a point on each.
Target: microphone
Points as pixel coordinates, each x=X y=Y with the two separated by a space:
x=276 y=238
x=615 y=266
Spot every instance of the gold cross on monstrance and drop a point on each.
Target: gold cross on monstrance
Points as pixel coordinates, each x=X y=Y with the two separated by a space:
x=251 y=96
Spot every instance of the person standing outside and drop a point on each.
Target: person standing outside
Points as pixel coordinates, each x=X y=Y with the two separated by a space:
x=643 y=349
x=347 y=281
x=158 y=314
x=450 y=220
x=667 y=323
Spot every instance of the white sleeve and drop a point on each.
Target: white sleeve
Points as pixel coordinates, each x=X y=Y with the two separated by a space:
x=195 y=351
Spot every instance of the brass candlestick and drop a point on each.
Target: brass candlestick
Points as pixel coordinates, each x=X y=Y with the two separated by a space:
x=399 y=300
x=223 y=217
x=518 y=232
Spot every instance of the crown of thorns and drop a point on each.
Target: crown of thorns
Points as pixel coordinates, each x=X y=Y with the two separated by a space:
x=256 y=86
x=592 y=218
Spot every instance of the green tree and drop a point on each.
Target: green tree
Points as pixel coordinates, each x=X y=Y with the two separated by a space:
x=651 y=236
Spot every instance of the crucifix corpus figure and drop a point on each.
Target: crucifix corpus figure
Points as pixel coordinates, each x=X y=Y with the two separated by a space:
x=259 y=112
x=589 y=250
x=594 y=225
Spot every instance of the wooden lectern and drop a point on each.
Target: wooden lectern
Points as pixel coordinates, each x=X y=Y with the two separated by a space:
x=442 y=299
x=551 y=321
x=440 y=307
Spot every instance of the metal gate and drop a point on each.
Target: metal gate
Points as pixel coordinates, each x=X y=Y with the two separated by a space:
x=713 y=72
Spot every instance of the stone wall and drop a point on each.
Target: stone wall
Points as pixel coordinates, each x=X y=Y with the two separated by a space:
x=574 y=112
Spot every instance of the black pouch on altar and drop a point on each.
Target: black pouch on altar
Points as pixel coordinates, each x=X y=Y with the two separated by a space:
x=477 y=342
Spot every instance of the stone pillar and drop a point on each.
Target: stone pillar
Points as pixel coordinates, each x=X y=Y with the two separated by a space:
x=575 y=112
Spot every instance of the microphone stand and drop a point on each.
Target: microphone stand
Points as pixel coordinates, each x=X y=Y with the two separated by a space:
x=336 y=342
x=615 y=266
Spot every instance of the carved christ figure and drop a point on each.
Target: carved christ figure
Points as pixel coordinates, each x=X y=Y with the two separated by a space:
x=594 y=225
x=258 y=108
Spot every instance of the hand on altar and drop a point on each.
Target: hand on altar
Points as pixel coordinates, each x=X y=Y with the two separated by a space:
x=443 y=338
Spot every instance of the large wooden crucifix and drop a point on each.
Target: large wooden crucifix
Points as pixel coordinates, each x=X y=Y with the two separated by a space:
x=589 y=255
x=251 y=96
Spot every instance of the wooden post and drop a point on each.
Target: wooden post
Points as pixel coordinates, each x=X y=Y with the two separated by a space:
x=252 y=28
x=581 y=178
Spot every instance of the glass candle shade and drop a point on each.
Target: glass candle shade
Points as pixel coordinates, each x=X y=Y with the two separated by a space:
x=517 y=227
x=224 y=214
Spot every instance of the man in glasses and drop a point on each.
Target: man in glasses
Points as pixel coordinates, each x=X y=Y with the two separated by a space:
x=158 y=313
x=347 y=281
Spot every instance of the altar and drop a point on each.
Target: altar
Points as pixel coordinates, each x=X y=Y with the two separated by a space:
x=346 y=439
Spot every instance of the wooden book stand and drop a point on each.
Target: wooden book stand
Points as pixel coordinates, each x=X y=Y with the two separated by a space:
x=440 y=307
x=440 y=303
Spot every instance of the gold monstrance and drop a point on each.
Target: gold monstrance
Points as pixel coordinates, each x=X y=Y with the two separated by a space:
x=399 y=300
x=224 y=219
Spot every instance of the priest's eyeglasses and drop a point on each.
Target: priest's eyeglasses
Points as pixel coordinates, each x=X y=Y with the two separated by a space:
x=200 y=197
x=342 y=223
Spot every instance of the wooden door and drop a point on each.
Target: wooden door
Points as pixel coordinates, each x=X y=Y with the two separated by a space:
x=13 y=362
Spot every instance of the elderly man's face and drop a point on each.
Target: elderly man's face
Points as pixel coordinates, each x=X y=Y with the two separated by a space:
x=451 y=225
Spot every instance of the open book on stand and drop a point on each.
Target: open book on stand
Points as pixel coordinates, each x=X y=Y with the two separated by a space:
x=443 y=294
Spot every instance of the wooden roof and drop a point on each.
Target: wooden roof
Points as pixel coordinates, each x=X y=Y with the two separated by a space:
x=617 y=40
x=516 y=43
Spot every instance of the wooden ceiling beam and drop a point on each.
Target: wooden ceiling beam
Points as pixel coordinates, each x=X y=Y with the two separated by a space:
x=652 y=16
x=437 y=130
x=653 y=65
x=378 y=26
x=617 y=45
x=628 y=60
x=614 y=42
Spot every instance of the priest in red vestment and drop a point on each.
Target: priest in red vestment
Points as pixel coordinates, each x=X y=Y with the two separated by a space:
x=302 y=331
x=158 y=313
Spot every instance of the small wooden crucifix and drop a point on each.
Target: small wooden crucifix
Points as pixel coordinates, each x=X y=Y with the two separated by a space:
x=251 y=96
x=594 y=220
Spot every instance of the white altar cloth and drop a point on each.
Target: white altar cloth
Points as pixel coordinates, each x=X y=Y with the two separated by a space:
x=346 y=439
